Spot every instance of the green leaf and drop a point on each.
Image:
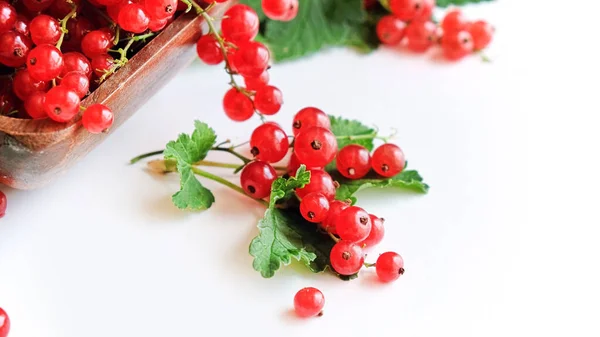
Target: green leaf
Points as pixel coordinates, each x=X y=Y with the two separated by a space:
x=346 y=131
x=283 y=189
x=192 y=195
x=410 y=180
x=446 y=3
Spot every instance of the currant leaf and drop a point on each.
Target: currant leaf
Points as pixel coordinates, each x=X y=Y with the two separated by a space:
x=282 y=189
x=409 y=180
x=346 y=129
x=192 y=195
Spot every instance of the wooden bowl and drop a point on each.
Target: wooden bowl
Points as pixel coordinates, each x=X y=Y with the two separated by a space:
x=33 y=152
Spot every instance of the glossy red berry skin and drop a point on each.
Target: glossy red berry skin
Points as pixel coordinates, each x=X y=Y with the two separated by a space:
x=280 y=10
x=293 y=165
x=482 y=33
x=346 y=258
x=320 y=182
x=160 y=9
x=75 y=61
x=208 y=50
x=95 y=43
x=156 y=25
x=97 y=118
x=420 y=36
x=353 y=224
x=101 y=64
x=255 y=83
x=114 y=10
x=408 y=10
x=4 y=320
x=45 y=62
x=389 y=266
x=60 y=8
x=238 y=107
x=309 y=302
x=457 y=45
x=76 y=82
x=8 y=16
x=335 y=208
x=14 y=48
x=61 y=104
x=44 y=29
x=256 y=179
x=390 y=30
x=268 y=100
x=269 y=143
x=3 y=316
x=454 y=21
x=388 y=160
x=37 y=5
x=24 y=85
x=353 y=161
x=309 y=117
x=377 y=232
x=240 y=24
x=34 y=105
x=22 y=25
x=314 y=207
x=133 y=18
x=315 y=147
x=251 y=59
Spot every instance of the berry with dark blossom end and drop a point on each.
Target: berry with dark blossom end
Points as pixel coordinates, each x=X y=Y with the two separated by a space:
x=409 y=10
x=237 y=105
x=309 y=302
x=389 y=266
x=256 y=179
x=353 y=161
x=240 y=24
x=268 y=100
x=309 y=117
x=280 y=10
x=97 y=118
x=160 y=9
x=14 y=48
x=346 y=258
x=269 y=142
x=314 y=207
x=45 y=62
x=61 y=104
x=457 y=45
x=133 y=18
x=315 y=147
x=353 y=224
x=388 y=160
x=390 y=30
x=376 y=234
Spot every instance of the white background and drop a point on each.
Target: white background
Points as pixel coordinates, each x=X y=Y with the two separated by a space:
x=505 y=244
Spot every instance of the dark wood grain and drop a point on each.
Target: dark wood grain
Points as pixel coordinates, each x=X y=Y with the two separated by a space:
x=33 y=152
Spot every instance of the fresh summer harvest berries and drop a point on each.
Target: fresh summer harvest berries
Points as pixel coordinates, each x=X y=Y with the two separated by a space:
x=315 y=146
x=97 y=118
x=376 y=234
x=388 y=160
x=280 y=10
x=256 y=179
x=346 y=258
x=353 y=161
x=4 y=321
x=269 y=143
x=320 y=182
x=314 y=207
x=309 y=302
x=389 y=266
x=353 y=224
x=309 y=117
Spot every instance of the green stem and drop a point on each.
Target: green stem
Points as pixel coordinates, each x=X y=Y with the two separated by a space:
x=145 y=155
x=117 y=35
x=369 y=136
x=63 y=25
x=225 y=182
x=369 y=265
x=123 y=52
x=233 y=152
x=333 y=237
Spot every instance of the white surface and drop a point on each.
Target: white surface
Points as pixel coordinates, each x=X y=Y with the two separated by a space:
x=497 y=248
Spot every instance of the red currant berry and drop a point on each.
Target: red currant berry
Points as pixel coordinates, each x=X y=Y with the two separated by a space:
x=315 y=147
x=353 y=161
x=420 y=36
x=22 y=25
x=60 y=8
x=346 y=258
x=24 y=85
x=255 y=83
x=79 y=27
x=240 y=24
x=408 y=10
x=251 y=59
x=353 y=224
x=76 y=82
x=389 y=266
x=237 y=106
x=3 y=316
x=95 y=43
x=457 y=45
x=44 y=29
x=37 y=5
x=61 y=104
x=293 y=165
x=4 y=320
x=314 y=207
x=97 y=118
x=269 y=143
x=376 y=234
x=309 y=117
x=454 y=21
x=320 y=182
x=160 y=9
x=156 y=25
x=256 y=179
x=8 y=16
x=280 y=10
x=14 y=48
x=208 y=50
x=309 y=302
x=335 y=208
x=482 y=33
x=133 y=18
x=102 y=63
x=268 y=100
x=388 y=160
x=34 y=105
x=75 y=61
x=45 y=62
x=390 y=30
x=113 y=11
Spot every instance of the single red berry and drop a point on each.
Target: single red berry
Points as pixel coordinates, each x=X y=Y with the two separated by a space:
x=4 y=320
x=353 y=161
x=320 y=182
x=37 y=5
x=155 y=25
x=420 y=36
x=102 y=63
x=280 y=10
x=389 y=266
x=24 y=85
x=61 y=104
x=376 y=234
x=255 y=83
x=208 y=50
x=457 y=45
x=160 y=9
x=454 y=21
x=314 y=207
x=44 y=29
x=251 y=59
x=75 y=61
x=76 y=82
x=45 y=62
x=113 y=10
x=408 y=10
x=309 y=302
x=335 y=208
x=8 y=16
x=79 y=27
x=14 y=48
x=34 y=105
x=97 y=118
x=60 y=8
x=3 y=317
x=22 y=25
x=482 y=33
x=390 y=30
x=240 y=24
x=346 y=258
x=353 y=224
x=256 y=179
x=237 y=106
x=133 y=18
x=96 y=42
x=309 y=117
x=268 y=100
x=269 y=143
x=315 y=147
x=388 y=160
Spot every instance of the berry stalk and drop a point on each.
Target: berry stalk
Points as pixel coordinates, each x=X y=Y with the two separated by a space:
x=63 y=25
x=225 y=182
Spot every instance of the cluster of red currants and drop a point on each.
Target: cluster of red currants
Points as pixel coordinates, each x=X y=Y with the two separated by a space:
x=410 y=23
x=4 y=323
